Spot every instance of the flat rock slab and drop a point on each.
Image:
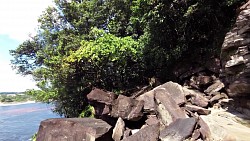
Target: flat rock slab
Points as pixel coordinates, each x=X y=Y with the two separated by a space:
x=74 y=129
x=225 y=126
x=167 y=108
x=149 y=133
x=175 y=91
x=127 y=108
x=178 y=130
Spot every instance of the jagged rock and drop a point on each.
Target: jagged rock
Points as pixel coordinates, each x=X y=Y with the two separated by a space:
x=74 y=129
x=199 y=110
x=178 y=130
x=149 y=102
x=127 y=108
x=167 y=108
x=174 y=90
x=235 y=55
x=149 y=133
x=118 y=130
x=100 y=96
x=217 y=86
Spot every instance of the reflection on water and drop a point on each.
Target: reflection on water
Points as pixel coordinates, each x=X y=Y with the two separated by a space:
x=20 y=122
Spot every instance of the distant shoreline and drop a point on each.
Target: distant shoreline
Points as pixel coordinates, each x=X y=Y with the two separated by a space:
x=15 y=103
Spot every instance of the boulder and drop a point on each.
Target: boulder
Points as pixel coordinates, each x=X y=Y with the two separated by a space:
x=235 y=55
x=149 y=133
x=167 y=108
x=174 y=90
x=149 y=102
x=118 y=130
x=178 y=130
x=127 y=108
x=100 y=96
x=74 y=129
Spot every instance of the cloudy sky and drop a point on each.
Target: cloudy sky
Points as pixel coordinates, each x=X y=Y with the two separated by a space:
x=18 y=20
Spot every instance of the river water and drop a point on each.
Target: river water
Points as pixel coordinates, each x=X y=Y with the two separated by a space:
x=20 y=122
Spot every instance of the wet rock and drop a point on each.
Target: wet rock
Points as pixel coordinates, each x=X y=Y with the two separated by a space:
x=118 y=130
x=174 y=90
x=149 y=102
x=127 y=108
x=149 y=133
x=74 y=129
x=178 y=130
x=167 y=108
x=199 y=110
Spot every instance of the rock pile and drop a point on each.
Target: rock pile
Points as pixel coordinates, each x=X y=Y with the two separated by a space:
x=168 y=112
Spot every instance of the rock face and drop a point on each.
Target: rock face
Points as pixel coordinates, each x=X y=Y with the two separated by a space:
x=235 y=55
x=74 y=129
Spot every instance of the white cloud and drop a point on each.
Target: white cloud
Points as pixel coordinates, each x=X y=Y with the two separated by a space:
x=11 y=82
x=19 y=17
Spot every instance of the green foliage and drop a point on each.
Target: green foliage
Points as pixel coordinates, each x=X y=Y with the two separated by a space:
x=87 y=112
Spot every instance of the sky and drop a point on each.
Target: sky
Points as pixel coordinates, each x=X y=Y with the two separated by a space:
x=18 y=19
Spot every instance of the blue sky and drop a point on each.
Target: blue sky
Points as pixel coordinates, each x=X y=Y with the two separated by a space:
x=18 y=21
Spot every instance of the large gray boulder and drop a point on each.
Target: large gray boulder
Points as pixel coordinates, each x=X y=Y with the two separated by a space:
x=235 y=55
x=74 y=129
x=127 y=108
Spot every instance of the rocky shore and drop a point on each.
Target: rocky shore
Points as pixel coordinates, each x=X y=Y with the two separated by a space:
x=209 y=105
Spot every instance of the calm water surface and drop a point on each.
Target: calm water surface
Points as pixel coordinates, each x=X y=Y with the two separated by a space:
x=20 y=122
